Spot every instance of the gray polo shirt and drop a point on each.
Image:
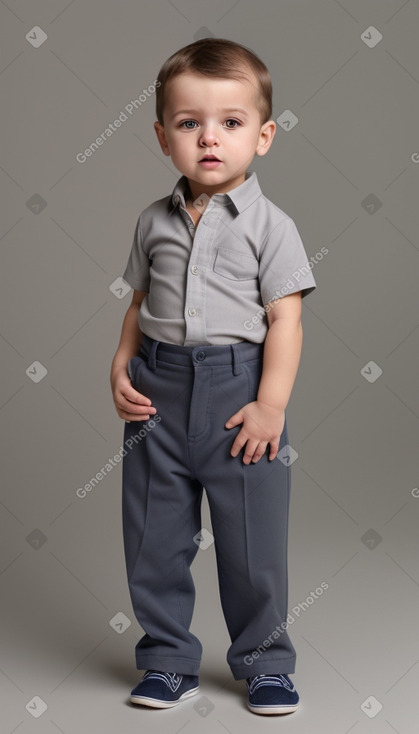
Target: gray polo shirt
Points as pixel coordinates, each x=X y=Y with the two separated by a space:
x=208 y=284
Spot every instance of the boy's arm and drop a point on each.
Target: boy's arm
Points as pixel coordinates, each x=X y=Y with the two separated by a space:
x=263 y=419
x=130 y=404
x=131 y=336
x=282 y=351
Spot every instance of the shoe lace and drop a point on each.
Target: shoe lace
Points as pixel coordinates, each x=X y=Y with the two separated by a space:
x=256 y=680
x=172 y=679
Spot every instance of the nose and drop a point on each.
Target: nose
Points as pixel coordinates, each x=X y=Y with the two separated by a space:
x=208 y=136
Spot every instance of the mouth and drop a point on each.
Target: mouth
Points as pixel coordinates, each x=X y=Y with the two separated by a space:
x=210 y=158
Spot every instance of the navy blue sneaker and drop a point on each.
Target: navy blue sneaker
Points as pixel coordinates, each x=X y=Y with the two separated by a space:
x=271 y=694
x=163 y=690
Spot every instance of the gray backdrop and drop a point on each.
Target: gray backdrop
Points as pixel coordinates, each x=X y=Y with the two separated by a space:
x=344 y=164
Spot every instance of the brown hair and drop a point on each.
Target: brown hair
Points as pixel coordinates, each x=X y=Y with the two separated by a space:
x=218 y=57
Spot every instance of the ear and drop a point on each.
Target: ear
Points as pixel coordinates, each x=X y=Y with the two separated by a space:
x=161 y=137
x=266 y=135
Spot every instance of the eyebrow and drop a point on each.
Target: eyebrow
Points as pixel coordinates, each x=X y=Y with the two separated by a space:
x=196 y=112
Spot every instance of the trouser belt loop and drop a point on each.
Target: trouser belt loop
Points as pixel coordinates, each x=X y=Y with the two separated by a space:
x=237 y=368
x=152 y=356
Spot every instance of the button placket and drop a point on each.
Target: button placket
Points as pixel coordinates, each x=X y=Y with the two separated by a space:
x=196 y=284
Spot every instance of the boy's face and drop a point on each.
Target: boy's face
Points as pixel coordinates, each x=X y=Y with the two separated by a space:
x=212 y=116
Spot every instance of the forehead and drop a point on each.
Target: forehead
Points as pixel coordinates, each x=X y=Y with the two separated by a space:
x=191 y=88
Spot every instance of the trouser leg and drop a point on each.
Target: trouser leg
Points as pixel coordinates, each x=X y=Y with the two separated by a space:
x=161 y=510
x=249 y=507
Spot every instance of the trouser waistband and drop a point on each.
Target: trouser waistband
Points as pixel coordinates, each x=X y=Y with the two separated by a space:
x=205 y=354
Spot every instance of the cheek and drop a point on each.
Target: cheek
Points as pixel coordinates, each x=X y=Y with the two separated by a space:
x=244 y=142
x=181 y=143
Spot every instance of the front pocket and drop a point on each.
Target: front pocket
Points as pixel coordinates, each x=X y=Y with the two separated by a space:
x=253 y=370
x=129 y=368
x=134 y=367
x=235 y=265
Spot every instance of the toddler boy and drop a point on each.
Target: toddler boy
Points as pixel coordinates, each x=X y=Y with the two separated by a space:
x=208 y=355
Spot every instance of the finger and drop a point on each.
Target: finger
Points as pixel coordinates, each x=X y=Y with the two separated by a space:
x=137 y=400
x=234 y=420
x=238 y=443
x=133 y=396
x=136 y=412
x=130 y=417
x=259 y=451
x=250 y=450
x=273 y=451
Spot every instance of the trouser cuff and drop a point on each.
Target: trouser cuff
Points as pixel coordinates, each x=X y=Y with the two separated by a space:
x=269 y=667
x=184 y=666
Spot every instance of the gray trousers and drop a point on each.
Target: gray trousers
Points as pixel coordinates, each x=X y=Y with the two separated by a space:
x=169 y=459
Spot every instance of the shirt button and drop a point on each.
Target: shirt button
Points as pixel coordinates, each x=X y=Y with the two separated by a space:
x=192 y=311
x=195 y=269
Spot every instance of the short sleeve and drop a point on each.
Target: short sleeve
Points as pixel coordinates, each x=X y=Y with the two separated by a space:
x=137 y=271
x=283 y=264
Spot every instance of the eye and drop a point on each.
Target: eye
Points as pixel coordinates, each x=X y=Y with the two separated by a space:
x=236 y=122
x=186 y=123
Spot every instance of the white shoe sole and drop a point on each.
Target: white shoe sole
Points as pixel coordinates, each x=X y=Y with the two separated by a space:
x=273 y=709
x=158 y=704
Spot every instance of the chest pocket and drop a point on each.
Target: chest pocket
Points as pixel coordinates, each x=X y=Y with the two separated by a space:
x=235 y=265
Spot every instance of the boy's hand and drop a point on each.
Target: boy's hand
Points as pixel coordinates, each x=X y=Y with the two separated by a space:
x=130 y=404
x=262 y=424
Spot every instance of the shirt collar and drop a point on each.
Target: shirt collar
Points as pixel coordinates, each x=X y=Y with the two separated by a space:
x=241 y=196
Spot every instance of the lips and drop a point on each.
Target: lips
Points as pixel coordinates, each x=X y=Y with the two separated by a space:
x=210 y=158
